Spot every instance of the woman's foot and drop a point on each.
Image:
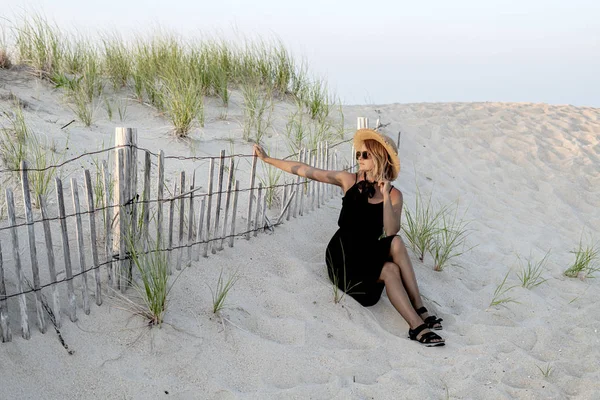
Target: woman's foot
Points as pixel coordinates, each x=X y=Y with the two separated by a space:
x=432 y=321
x=423 y=335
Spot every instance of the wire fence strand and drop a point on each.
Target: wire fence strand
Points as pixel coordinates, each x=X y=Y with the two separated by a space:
x=180 y=158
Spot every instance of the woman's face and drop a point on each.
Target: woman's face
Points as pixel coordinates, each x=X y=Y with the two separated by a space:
x=366 y=164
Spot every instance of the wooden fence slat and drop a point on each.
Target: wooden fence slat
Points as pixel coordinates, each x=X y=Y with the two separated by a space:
x=4 y=323
x=35 y=269
x=215 y=243
x=234 y=213
x=108 y=207
x=258 y=209
x=66 y=249
x=285 y=208
x=10 y=204
x=127 y=137
x=263 y=219
x=200 y=229
x=284 y=197
x=80 y=246
x=297 y=188
x=145 y=201
x=190 y=238
x=326 y=166
x=170 y=235
x=319 y=164
x=211 y=171
x=289 y=207
x=93 y=236
x=51 y=262
x=312 y=183
x=123 y=228
x=159 y=197
x=181 y=220
x=250 y=196
x=227 y=202
x=302 y=188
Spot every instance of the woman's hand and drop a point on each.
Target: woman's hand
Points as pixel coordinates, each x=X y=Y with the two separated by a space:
x=384 y=187
x=260 y=152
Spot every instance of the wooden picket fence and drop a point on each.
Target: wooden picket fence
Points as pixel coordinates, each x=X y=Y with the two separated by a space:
x=198 y=222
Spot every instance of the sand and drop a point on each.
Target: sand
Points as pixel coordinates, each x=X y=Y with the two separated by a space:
x=527 y=176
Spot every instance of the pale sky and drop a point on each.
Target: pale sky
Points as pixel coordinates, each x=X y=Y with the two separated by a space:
x=383 y=52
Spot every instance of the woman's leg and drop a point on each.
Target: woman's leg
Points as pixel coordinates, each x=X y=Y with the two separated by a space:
x=400 y=256
x=390 y=275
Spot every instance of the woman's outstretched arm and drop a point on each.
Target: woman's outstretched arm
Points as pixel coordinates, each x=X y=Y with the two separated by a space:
x=339 y=178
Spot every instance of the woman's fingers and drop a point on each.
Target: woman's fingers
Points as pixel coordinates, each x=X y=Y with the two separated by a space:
x=259 y=152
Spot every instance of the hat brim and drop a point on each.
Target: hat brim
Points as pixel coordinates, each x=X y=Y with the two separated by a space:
x=367 y=134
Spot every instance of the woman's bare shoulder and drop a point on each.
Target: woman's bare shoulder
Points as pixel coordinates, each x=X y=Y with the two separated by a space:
x=396 y=195
x=347 y=179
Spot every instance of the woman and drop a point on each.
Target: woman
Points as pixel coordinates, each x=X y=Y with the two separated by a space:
x=365 y=254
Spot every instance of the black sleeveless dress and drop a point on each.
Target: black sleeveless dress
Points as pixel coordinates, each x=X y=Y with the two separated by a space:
x=357 y=251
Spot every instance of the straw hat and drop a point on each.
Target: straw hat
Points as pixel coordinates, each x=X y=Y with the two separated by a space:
x=387 y=142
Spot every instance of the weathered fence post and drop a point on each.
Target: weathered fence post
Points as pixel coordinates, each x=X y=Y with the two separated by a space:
x=126 y=193
x=190 y=238
x=51 y=261
x=258 y=198
x=181 y=220
x=234 y=212
x=41 y=321
x=159 y=199
x=227 y=202
x=4 y=324
x=215 y=244
x=146 y=201
x=10 y=204
x=66 y=249
x=93 y=236
x=250 y=198
x=170 y=234
x=108 y=207
x=123 y=220
x=298 y=187
x=80 y=246
x=211 y=171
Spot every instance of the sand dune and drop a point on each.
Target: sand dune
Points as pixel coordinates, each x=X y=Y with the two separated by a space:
x=526 y=175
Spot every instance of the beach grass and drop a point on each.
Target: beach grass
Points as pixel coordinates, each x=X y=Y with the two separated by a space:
x=19 y=143
x=421 y=225
x=586 y=260
x=501 y=296
x=43 y=172
x=295 y=131
x=221 y=290
x=168 y=73
x=258 y=111
x=5 y=57
x=270 y=179
x=546 y=371
x=450 y=238
x=153 y=286
x=530 y=271
x=346 y=288
x=14 y=137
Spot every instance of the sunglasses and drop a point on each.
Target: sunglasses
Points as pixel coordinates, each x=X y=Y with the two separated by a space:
x=364 y=154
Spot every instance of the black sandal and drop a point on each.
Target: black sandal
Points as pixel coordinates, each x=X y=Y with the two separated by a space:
x=431 y=321
x=426 y=339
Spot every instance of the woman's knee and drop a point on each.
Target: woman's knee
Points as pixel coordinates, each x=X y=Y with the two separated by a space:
x=398 y=246
x=390 y=270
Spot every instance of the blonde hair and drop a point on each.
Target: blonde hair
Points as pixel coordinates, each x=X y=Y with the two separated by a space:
x=383 y=168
